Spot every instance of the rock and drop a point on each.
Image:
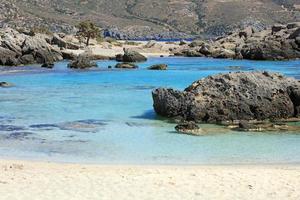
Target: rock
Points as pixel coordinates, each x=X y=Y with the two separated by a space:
x=126 y=66
x=48 y=65
x=8 y=57
x=158 y=67
x=5 y=84
x=82 y=62
x=228 y=97
x=295 y=34
x=119 y=57
x=27 y=59
x=247 y=32
x=277 y=27
x=293 y=25
x=196 y=43
x=41 y=50
x=191 y=53
x=133 y=56
x=57 y=40
x=189 y=128
x=294 y=93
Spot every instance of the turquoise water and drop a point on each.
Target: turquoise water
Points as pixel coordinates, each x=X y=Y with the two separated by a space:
x=106 y=116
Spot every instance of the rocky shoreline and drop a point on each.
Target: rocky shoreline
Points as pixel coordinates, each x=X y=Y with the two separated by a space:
x=280 y=42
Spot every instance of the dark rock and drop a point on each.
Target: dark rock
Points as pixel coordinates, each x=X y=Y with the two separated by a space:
x=119 y=57
x=18 y=135
x=189 y=128
x=228 y=97
x=5 y=84
x=126 y=66
x=277 y=27
x=48 y=65
x=293 y=25
x=295 y=34
x=158 y=67
x=82 y=62
x=8 y=57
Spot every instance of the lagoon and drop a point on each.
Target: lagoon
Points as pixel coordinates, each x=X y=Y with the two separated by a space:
x=106 y=116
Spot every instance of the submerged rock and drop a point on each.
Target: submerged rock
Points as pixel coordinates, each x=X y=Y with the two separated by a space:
x=264 y=127
x=158 y=67
x=189 y=128
x=126 y=66
x=232 y=96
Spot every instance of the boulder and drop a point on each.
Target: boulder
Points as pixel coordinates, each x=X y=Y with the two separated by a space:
x=41 y=50
x=27 y=59
x=8 y=57
x=82 y=62
x=158 y=67
x=57 y=40
x=231 y=96
x=247 y=32
x=126 y=66
x=189 y=128
x=133 y=56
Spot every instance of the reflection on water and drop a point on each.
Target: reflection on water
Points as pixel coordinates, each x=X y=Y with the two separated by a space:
x=106 y=116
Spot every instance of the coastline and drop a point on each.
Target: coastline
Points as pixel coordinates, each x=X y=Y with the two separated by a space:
x=46 y=180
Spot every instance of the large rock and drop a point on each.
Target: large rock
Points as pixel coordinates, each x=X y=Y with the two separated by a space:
x=41 y=50
x=232 y=96
x=82 y=62
x=132 y=56
x=57 y=40
x=8 y=57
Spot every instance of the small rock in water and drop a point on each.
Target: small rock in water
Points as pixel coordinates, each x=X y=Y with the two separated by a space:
x=189 y=128
x=5 y=84
x=158 y=67
x=126 y=66
x=82 y=62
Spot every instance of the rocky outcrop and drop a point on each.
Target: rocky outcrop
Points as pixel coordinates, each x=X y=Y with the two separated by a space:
x=232 y=96
x=82 y=62
x=21 y=49
x=280 y=42
x=158 y=67
x=130 y=56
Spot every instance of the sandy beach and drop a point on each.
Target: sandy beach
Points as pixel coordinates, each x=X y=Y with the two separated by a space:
x=36 y=180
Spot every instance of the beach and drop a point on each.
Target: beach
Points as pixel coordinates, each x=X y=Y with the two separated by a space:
x=24 y=180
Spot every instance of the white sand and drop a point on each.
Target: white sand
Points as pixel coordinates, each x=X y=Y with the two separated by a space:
x=42 y=181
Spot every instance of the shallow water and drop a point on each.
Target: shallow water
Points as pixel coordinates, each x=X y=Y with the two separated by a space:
x=106 y=116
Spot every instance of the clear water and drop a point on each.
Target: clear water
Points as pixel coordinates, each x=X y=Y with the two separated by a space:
x=106 y=116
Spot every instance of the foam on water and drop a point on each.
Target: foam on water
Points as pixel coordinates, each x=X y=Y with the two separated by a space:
x=106 y=116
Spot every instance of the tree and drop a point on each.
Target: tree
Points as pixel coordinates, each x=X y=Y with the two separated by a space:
x=88 y=30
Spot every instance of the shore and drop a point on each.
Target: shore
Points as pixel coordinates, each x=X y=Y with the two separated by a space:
x=37 y=180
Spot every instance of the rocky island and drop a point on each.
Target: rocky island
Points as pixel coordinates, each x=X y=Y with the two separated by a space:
x=231 y=97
